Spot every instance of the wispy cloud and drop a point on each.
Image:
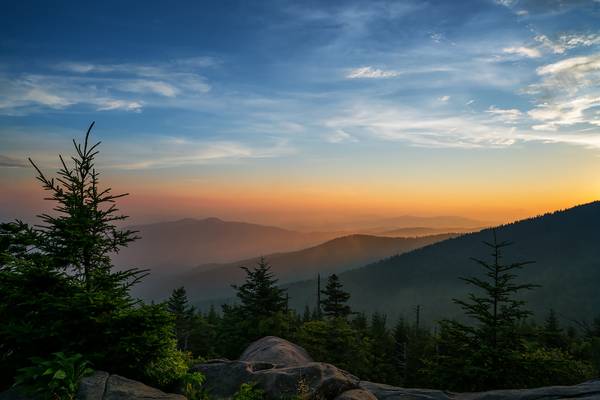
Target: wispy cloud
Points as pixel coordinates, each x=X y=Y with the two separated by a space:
x=340 y=136
x=126 y=87
x=529 y=52
x=10 y=162
x=370 y=72
x=170 y=152
x=568 y=94
x=566 y=42
x=505 y=115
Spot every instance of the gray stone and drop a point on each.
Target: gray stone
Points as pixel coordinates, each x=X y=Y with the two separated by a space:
x=92 y=387
x=356 y=394
x=387 y=392
x=274 y=350
x=584 y=391
x=223 y=379
x=119 y=388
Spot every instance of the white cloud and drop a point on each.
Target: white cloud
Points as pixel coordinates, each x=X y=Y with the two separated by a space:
x=423 y=128
x=529 y=52
x=146 y=86
x=505 y=115
x=370 y=72
x=568 y=94
x=568 y=41
x=105 y=87
x=110 y=104
x=340 y=136
x=444 y=99
x=178 y=151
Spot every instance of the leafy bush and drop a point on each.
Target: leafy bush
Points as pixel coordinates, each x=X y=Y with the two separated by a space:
x=249 y=391
x=192 y=386
x=56 y=378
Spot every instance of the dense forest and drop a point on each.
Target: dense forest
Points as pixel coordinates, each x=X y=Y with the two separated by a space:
x=65 y=311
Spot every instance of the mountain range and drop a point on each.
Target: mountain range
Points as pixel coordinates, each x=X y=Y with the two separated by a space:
x=334 y=256
x=565 y=246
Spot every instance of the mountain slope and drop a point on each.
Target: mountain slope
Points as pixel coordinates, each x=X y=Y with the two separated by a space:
x=565 y=246
x=172 y=247
x=341 y=254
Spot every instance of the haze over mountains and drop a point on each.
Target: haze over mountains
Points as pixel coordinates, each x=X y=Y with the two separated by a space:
x=337 y=255
x=172 y=247
x=564 y=244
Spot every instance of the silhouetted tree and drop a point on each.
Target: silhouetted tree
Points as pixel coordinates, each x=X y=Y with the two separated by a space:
x=334 y=303
x=259 y=294
x=183 y=313
x=82 y=234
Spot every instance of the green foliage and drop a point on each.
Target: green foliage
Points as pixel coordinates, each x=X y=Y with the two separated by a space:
x=489 y=351
x=58 y=292
x=249 y=391
x=259 y=295
x=184 y=317
x=334 y=303
x=55 y=378
x=192 y=388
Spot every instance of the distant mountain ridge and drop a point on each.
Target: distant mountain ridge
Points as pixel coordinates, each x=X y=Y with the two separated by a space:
x=172 y=247
x=565 y=245
x=334 y=256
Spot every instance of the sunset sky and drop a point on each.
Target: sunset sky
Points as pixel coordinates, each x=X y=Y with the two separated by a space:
x=307 y=113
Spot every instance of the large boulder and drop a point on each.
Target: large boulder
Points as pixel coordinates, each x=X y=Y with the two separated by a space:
x=102 y=386
x=356 y=394
x=319 y=380
x=277 y=351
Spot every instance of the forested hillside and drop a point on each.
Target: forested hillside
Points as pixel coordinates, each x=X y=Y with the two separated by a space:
x=337 y=255
x=565 y=246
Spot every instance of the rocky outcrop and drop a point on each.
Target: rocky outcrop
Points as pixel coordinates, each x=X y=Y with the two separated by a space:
x=277 y=351
x=102 y=386
x=280 y=368
x=320 y=380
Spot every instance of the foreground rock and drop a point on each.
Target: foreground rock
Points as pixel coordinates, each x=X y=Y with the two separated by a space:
x=279 y=368
x=321 y=380
x=103 y=386
x=277 y=351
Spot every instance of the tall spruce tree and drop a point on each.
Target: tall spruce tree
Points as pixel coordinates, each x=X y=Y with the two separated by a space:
x=489 y=349
x=334 y=303
x=82 y=234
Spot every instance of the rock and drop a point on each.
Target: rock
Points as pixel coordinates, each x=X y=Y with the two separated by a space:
x=387 y=392
x=93 y=386
x=321 y=380
x=356 y=394
x=102 y=386
x=119 y=388
x=584 y=391
x=274 y=350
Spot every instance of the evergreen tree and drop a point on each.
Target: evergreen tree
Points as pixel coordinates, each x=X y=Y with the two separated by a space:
x=259 y=295
x=183 y=313
x=553 y=335
x=82 y=234
x=334 y=303
x=490 y=349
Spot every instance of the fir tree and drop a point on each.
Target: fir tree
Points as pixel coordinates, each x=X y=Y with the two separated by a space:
x=334 y=304
x=259 y=295
x=82 y=234
x=553 y=335
x=489 y=350
x=183 y=313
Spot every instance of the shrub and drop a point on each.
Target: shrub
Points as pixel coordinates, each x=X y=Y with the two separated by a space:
x=249 y=391
x=192 y=386
x=55 y=378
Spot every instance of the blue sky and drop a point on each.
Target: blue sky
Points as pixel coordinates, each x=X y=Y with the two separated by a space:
x=294 y=92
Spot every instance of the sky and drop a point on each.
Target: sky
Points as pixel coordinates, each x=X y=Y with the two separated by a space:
x=307 y=112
